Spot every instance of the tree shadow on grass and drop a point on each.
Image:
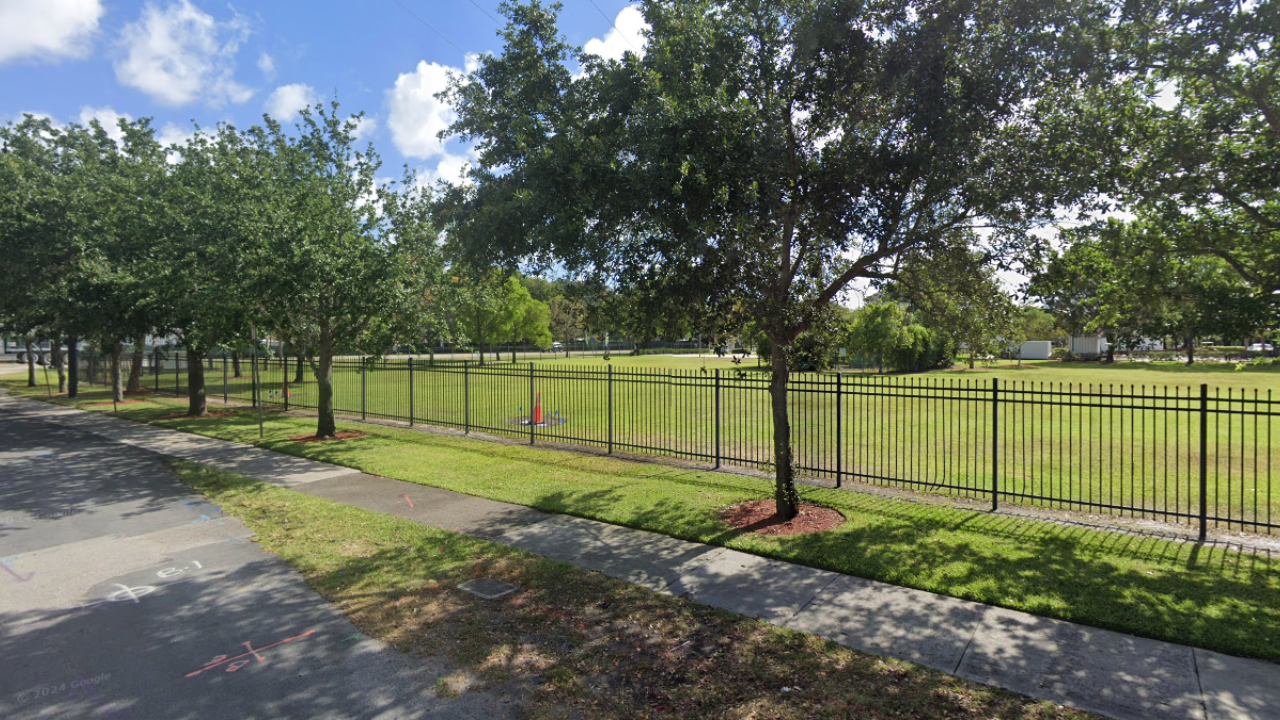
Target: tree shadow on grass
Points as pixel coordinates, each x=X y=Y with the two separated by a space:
x=1179 y=592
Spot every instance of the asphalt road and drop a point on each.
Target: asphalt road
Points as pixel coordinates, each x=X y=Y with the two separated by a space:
x=125 y=596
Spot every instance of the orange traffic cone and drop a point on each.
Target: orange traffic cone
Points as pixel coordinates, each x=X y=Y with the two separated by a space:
x=284 y=390
x=537 y=410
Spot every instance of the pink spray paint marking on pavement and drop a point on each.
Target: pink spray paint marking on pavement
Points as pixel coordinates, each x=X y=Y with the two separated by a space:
x=235 y=663
x=406 y=499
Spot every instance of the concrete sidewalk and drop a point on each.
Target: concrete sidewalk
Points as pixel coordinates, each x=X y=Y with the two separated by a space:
x=1097 y=670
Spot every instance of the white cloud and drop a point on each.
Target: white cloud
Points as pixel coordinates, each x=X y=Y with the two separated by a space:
x=625 y=36
x=285 y=102
x=450 y=168
x=108 y=118
x=172 y=134
x=471 y=63
x=267 y=65
x=365 y=127
x=180 y=54
x=416 y=117
x=47 y=28
x=1166 y=97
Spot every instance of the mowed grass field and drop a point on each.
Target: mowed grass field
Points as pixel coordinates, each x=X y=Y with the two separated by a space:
x=1123 y=438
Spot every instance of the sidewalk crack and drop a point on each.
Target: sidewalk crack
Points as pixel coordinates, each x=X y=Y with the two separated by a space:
x=976 y=626
x=1204 y=702
x=835 y=577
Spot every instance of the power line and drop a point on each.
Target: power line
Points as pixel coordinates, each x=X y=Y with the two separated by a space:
x=486 y=12
x=615 y=26
x=424 y=22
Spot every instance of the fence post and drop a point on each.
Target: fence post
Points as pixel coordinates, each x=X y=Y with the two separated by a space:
x=717 y=418
x=466 y=397
x=532 y=400
x=177 y=373
x=410 y=392
x=284 y=374
x=610 y=408
x=1204 y=461
x=995 y=444
x=225 y=398
x=159 y=367
x=839 y=431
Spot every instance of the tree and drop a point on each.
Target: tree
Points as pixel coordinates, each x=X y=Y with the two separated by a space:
x=567 y=318
x=1131 y=280
x=874 y=331
x=1206 y=162
x=76 y=232
x=497 y=308
x=343 y=258
x=214 y=252
x=766 y=154
x=1039 y=324
x=955 y=290
x=525 y=319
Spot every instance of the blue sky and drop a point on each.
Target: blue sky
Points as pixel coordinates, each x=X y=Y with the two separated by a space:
x=209 y=61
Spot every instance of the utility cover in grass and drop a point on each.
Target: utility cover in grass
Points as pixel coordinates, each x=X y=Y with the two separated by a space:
x=488 y=588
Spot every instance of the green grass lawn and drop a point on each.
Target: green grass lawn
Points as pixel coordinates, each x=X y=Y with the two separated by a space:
x=588 y=646
x=934 y=432
x=1203 y=596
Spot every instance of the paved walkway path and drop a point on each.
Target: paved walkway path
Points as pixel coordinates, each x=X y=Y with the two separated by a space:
x=124 y=595
x=1097 y=670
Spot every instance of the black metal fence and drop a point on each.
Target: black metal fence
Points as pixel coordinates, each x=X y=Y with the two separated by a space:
x=1198 y=456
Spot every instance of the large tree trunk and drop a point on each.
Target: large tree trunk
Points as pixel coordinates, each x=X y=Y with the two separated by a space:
x=31 y=365
x=197 y=399
x=73 y=366
x=135 y=364
x=59 y=363
x=788 y=502
x=1111 y=353
x=117 y=371
x=326 y=426
x=1191 y=351
x=513 y=353
x=235 y=363
x=299 y=375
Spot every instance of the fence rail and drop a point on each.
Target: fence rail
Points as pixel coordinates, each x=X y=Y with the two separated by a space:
x=1198 y=456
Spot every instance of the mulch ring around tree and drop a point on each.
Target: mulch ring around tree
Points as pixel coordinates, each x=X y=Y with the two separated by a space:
x=184 y=416
x=759 y=516
x=344 y=435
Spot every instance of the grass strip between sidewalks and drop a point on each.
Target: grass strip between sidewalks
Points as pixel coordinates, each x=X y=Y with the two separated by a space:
x=1208 y=597
x=582 y=644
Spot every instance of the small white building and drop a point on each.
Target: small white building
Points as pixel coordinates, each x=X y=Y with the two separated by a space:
x=1088 y=345
x=1035 y=350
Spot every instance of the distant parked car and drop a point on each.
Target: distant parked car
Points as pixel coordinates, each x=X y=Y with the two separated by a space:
x=557 y=347
x=1260 y=347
